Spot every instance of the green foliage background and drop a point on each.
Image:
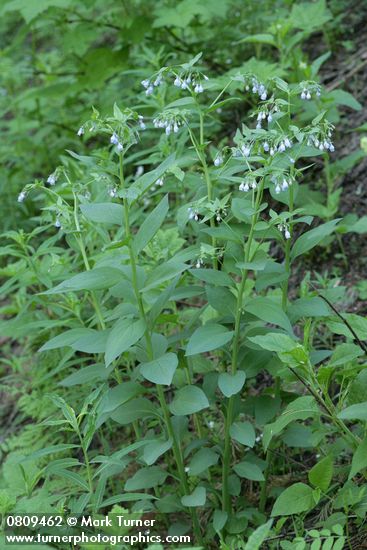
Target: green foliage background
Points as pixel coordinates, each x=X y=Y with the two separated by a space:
x=58 y=60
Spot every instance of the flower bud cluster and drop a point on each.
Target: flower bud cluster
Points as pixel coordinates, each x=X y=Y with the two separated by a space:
x=265 y=114
x=282 y=182
x=52 y=178
x=321 y=142
x=284 y=228
x=193 y=214
x=220 y=213
x=190 y=81
x=257 y=88
x=309 y=88
x=115 y=140
x=248 y=183
x=157 y=184
x=170 y=121
x=150 y=84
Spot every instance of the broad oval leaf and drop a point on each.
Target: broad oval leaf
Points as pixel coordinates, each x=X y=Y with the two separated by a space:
x=161 y=370
x=248 y=470
x=146 y=478
x=244 y=433
x=210 y=336
x=104 y=212
x=230 y=384
x=189 y=400
x=295 y=499
x=197 y=498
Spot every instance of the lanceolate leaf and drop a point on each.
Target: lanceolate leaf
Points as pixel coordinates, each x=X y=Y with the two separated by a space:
x=312 y=238
x=123 y=335
x=151 y=225
x=359 y=461
x=96 y=279
x=269 y=311
x=258 y=536
x=321 y=474
x=355 y=412
x=300 y=409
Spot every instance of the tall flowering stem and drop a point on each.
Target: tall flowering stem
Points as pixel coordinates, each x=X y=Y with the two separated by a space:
x=177 y=453
x=226 y=502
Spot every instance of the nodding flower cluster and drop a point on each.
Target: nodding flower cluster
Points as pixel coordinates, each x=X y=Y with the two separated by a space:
x=186 y=81
x=218 y=159
x=199 y=263
x=193 y=214
x=141 y=122
x=21 y=197
x=281 y=182
x=257 y=88
x=309 y=88
x=265 y=114
x=115 y=141
x=281 y=146
x=193 y=81
x=81 y=131
x=220 y=214
x=149 y=85
x=52 y=178
x=170 y=121
x=321 y=142
x=284 y=228
x=113 y=192
x=58 y=222
x=158 y=183
x=248 y=183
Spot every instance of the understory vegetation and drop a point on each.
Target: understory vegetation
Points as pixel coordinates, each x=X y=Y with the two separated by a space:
x=183 y=294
